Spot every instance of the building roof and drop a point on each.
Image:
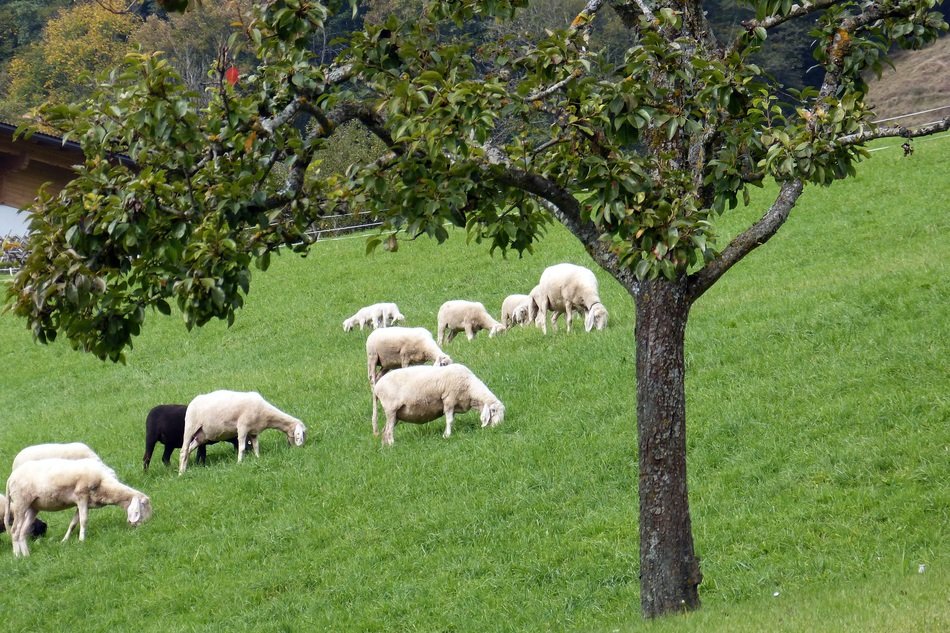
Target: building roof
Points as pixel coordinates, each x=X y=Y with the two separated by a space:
x=27 y=163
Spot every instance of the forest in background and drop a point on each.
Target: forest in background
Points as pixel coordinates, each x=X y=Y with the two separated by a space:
x=49 y=49
x=52 y=50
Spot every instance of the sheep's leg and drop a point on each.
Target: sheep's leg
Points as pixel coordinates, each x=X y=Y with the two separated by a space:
x=201 y=454
x=188 y=445
x=255 y=444
x=449 y=418
x=451 y=335
x=569 y=315
x=72 y=523
x=147 y=458
x=469 y=332
x=388 y=429
x=375 y=428
x=440 y=334
x=82 y=514
x=20 y=531
x=20 y=547
x=543 y=315
x=166 y=454
x=242 y=443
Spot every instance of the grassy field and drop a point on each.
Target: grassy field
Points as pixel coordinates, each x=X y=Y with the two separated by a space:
x=819 y=421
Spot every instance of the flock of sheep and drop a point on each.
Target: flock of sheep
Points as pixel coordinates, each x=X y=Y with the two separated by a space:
x=50 y=477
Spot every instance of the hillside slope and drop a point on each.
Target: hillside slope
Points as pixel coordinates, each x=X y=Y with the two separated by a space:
x=818 y=445
x=920 y=80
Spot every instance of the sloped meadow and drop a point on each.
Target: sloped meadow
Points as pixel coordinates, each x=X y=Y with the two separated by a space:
x=819 y=443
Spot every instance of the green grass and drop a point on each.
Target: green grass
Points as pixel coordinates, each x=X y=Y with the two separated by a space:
x=819 y=423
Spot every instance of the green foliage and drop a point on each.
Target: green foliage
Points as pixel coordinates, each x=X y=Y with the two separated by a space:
x=818 y=446
x=646 y=154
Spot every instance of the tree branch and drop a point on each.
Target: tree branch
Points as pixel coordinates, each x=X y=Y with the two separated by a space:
x=841 y=42
x=744 y=243
x=896 y=130
x=550 y=90
x=796 y=11
x=562 y=204
x=339 y=74
x=771 y=21
x=285 y=115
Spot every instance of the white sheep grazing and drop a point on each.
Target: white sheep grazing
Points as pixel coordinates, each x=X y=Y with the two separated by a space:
x=222 y=415
x=71 y=450
x=465 y=316
x=422 y=394
x=393 y=347
x=377 y=315
x=58 y=484
x=515 y=310
x=564 y=288
x=390 y=314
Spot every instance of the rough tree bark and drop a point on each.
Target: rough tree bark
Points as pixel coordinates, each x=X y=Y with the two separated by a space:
x=669 y=568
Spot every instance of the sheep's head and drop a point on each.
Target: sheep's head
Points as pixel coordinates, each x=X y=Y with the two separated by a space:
x=397 y=318
x=348 y=325
x=139 y=510
x=442 y=360
x=495 y=329
x=492 y=413
x=298 y=437
x=596 y=317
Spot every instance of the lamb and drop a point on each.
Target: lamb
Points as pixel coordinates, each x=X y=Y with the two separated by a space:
x=378 y=315
x=58 y=484
x=422 y=394
x=562 y=288
x=393 y=347
x=222 y=415
x=36 y=530
x=71 y=450
x=165 y=423
x=468 y=316
x=514 y=310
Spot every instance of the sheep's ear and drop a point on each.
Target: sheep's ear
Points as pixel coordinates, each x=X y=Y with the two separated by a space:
x=135 y=510
x=589 y=321
x=486 y=414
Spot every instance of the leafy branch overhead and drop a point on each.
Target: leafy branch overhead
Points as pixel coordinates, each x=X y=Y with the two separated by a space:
x=176 y=202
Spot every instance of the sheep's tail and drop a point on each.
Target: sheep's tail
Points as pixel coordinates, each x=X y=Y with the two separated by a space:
x=372 y=359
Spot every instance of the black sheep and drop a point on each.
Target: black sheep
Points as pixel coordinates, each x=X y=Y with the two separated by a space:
x=165 y=423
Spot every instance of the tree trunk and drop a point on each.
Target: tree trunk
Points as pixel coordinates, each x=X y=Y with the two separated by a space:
x=669 y=568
